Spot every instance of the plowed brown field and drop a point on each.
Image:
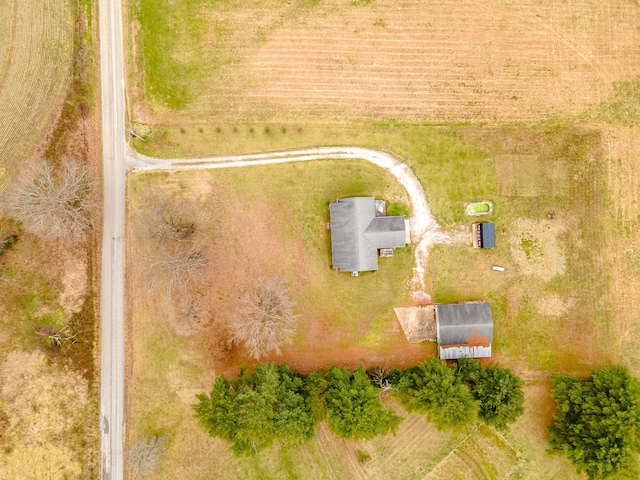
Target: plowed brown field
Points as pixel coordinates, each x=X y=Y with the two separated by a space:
x=451 y=60
x=35 y=67
x=439 y=61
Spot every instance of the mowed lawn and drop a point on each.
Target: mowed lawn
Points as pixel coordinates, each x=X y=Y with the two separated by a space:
x=266 y=221
x=550 y=305
x=271 y=220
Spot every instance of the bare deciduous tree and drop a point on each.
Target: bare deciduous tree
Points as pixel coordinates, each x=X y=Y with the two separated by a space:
x=265 y=319
x=219 y=346
x=380 y=378
x=192 y=309
x=145 y=456
x=176 y=255
x=166 y=218
x=178 y=266
x=53 y=203
x=191 y=315
x=57 y=336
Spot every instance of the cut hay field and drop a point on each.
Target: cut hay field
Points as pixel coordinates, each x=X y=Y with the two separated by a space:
x=444 y=61
x=35 y=71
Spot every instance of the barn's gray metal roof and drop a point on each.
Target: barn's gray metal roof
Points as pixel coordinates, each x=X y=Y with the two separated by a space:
x=464 y=330
x=357 y=234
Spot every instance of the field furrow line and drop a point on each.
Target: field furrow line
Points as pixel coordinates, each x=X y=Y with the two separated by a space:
x=326 y=451
x=413 y=424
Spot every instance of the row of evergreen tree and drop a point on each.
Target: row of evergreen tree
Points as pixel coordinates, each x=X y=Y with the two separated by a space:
x=597 y=423
x=272 y=402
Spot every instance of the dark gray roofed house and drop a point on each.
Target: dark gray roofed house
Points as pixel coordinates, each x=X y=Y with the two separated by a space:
x=464 y=330
x=357 y=234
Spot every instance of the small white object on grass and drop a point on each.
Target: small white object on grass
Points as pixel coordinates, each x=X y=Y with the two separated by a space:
x=497 y=268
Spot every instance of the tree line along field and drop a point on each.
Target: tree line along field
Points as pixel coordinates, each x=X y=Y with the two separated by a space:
x=407 y=60
x=35 y=66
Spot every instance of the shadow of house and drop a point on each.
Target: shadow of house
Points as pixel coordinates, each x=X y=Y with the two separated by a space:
x=357 y=234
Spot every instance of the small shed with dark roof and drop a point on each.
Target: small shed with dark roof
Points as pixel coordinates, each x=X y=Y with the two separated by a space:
x=484 y=235
x=357 y=234
x=464 y=330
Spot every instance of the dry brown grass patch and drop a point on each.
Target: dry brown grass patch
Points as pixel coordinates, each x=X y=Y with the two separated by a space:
x=537 y=249
x=529 y=435
x=554 y=305
x=47 y=408
x=484 y=454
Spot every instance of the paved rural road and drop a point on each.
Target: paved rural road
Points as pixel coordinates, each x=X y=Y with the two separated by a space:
x=112 y=293
x=425 y=231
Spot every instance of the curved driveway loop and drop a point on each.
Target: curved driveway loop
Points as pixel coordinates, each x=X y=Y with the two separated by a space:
x=425 y=232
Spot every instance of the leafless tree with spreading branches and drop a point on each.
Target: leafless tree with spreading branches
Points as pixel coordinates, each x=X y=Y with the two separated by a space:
x=176 y=255
x=53 y=203
x=178 y=266
x=145 y=456
x=57 y=336
x=166 y=218
x=265 y=319
x=380 y=378
x=191 y=315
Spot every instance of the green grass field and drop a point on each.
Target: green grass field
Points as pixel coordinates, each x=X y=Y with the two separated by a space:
x=206 y=81
x=433 y=153
x=273 y=218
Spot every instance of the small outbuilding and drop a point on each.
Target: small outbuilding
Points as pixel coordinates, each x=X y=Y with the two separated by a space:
x=359 y=229
x=484 y=235
x=461 y=329
x=464 y=330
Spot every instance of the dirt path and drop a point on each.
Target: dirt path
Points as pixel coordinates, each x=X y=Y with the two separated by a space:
x=425 y=231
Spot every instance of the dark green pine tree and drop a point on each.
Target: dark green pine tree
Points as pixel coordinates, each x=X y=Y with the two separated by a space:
x=354 y=409
x=598 y=420
x=434 y=389
x=260 y=406
x=218 y=413
x=497 y=389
